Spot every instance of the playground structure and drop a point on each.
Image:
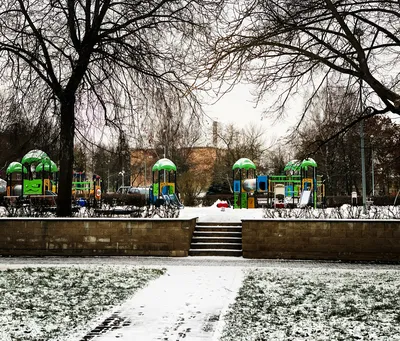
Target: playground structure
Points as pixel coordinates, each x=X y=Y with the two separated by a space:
x=244 y=186
x=299 y=187
x=163 y=189
x=83 y=188
x=35 y=175
x=32 y=191
x=32 y=186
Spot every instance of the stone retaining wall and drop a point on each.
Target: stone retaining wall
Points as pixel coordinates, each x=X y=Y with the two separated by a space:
x=101 y=237
x=347 y=240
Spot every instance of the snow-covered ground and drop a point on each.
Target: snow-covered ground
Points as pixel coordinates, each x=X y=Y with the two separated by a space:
x=213 y=213
x=197 y=298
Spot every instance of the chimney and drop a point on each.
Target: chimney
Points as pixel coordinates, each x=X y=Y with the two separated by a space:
x=215 y=133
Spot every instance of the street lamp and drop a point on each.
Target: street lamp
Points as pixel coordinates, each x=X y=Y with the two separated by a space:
x=372 y=166
x=122 y=173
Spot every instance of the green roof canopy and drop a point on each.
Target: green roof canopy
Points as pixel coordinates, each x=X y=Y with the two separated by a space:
x=15 y=167
x=308 y=163
x=47 y=165
x=34 y=155
x=164 y=164
x=293 y=165
x=244 y=163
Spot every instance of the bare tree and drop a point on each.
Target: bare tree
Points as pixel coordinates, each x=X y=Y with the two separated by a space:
x=102 y=57
x=290 y=47
x=21 y=132
x=174 y=128
x=338 y=160
x=237 y=143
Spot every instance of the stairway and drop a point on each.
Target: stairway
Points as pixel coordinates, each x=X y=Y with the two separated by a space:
x=217 y=239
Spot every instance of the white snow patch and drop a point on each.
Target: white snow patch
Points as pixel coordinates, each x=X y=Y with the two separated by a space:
x=186 y=303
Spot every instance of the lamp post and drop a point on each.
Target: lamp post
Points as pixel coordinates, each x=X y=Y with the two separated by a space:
x=145 y=173
x=372 y=167
x=108 y=176
x=122 y=173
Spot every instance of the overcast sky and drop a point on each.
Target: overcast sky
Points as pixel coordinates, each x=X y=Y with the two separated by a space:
x=238 y=107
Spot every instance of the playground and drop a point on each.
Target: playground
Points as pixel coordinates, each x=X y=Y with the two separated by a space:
x=31 y=188
x=300 y=186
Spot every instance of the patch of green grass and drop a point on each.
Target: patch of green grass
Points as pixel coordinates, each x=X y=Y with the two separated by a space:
x=40 y=304
x=282 y=304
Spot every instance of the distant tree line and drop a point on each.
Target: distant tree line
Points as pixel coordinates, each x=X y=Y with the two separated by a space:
x=21 y=132
x=339 y=160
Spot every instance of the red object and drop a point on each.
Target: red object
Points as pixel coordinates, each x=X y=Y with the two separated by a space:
x=222 y=204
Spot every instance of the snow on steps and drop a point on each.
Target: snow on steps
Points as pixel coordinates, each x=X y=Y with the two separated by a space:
x=217 y=239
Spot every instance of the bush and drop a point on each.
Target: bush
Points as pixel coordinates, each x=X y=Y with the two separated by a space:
x=337 y=201
x=116 y=199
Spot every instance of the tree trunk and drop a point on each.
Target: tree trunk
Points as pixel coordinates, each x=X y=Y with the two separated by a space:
x=67 y=133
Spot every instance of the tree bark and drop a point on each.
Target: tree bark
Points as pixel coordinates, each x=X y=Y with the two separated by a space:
x=67 y=133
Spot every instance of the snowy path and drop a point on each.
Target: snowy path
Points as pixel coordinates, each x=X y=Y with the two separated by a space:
x=184 y=304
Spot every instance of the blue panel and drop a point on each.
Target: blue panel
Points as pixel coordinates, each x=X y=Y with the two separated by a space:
x=289 y=190
x=262 y=183
x=236 y=186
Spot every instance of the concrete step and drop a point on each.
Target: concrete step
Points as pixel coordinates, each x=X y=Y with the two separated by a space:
x=215 y=228
x=213 y=223
x=230 y=246
x=224 y=234
x=218 y=239
x=215 y=252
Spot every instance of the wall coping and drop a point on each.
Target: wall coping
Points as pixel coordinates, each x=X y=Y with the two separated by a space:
x=324 y=220
x=93 y=219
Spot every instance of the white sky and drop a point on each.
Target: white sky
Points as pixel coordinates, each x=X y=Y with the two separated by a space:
x=238 y=107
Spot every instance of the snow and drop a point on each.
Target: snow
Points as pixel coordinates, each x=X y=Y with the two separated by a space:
x=320 y=305
x=222 y=298
x=184 y=304
x=193 y=299
x=213 y=213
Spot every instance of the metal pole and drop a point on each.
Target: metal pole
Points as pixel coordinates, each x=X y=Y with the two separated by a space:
x=165 y=180
x=108 y=179
x=145 y=175
x=364 y=189
x=372 y=172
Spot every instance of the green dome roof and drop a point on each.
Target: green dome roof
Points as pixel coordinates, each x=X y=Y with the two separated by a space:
x=15 y=167
x=164 y=164
x=244 y=163
x=308 y=163
x=47 y=165
x=34 y=155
